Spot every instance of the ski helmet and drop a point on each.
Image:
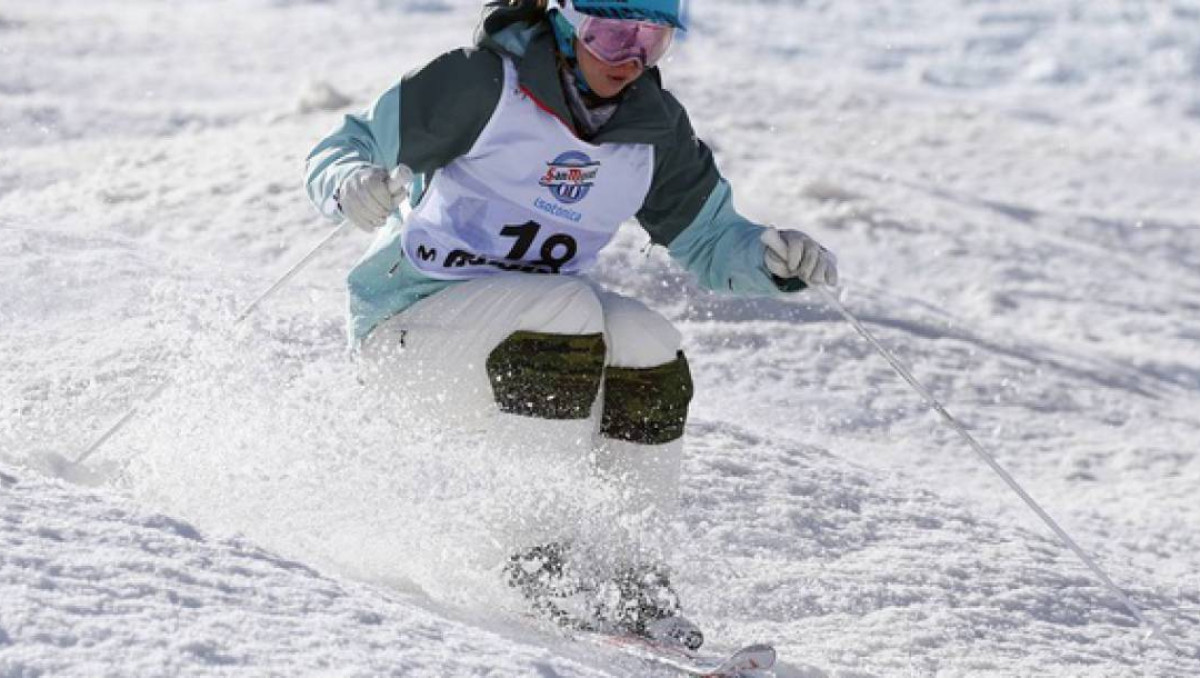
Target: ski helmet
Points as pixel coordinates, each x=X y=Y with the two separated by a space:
x=656 y=11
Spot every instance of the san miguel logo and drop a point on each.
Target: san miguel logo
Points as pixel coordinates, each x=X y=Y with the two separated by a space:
x=570 y=176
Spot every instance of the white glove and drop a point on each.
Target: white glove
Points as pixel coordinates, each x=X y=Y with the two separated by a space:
x=369 y=195
x=792 y=254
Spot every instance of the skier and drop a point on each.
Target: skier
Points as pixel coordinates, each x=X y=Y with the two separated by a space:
x=520 y=158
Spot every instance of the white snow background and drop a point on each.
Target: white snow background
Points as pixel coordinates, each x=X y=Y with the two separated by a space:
x=1011 y=189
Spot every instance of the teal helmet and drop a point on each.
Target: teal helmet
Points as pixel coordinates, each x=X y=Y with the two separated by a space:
x=657 y=11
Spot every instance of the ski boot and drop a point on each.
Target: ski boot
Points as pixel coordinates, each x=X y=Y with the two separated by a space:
x=641 y=601
x=543 y=576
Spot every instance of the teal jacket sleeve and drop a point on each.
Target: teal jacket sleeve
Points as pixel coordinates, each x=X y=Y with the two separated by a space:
x=369 y=139
x=722 y=248
x=439 y=110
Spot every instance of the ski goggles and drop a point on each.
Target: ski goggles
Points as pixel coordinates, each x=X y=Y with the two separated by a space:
x=617 y=41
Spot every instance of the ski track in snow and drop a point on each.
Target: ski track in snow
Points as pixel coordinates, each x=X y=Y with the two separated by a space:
x=1010 y=189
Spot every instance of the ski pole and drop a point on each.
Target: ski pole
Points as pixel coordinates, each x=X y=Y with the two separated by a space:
x=990 y=460
x=291 y=272
x=137 y=406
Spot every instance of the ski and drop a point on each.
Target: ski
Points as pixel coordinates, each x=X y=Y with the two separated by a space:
x=742 y=663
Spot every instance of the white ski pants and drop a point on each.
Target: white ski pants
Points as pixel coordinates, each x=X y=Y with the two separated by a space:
x=487 y=353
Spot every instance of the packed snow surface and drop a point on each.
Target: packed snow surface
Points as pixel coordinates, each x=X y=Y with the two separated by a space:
x=1010 y=187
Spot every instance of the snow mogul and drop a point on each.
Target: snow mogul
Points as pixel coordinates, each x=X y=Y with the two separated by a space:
x=520 y=158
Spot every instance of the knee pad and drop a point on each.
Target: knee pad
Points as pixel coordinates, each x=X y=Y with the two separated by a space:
x=647 y=405
x=548 y=376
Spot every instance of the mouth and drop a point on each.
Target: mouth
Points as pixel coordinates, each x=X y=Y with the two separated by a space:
x=619 y=80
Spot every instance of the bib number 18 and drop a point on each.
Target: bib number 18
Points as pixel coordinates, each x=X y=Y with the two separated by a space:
x=556 y=250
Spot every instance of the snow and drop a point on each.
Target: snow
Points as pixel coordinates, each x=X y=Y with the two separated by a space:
x=108 y=588
x=1009 y=187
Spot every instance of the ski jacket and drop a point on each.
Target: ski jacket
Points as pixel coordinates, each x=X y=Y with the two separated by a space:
x=437 y=113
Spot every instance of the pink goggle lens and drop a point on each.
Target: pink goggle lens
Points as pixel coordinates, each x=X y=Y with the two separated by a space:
x=615 y=41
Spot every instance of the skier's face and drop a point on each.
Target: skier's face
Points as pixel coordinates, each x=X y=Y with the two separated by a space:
x=607 y=80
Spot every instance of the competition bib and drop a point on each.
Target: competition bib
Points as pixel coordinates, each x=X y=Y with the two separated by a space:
x=529 y=196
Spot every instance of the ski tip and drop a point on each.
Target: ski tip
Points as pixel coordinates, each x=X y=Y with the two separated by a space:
x=757 y=657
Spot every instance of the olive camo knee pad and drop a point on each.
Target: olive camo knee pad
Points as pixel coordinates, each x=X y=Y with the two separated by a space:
x=647 y=405
x=548 y=376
